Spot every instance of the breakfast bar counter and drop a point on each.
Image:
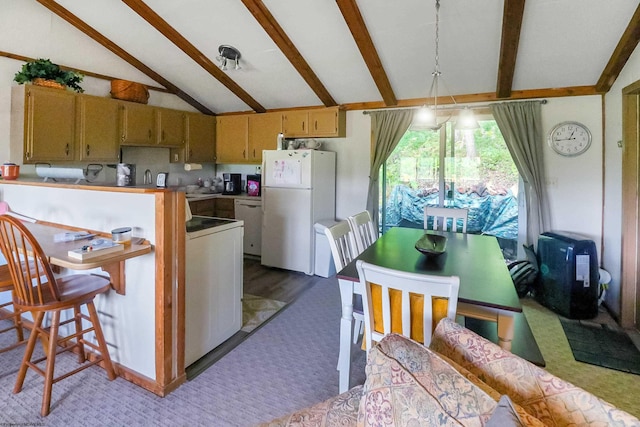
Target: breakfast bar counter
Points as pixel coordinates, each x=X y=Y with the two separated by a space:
x=144 y=324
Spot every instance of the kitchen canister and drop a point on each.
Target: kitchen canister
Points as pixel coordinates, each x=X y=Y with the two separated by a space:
x=125 y=175
x=121 y=235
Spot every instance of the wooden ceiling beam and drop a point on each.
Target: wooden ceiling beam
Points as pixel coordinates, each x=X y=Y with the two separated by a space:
x=84 y=72
x=627 y=44
x=183 y=44
x=286 y=46
x=95 y=35
x=361 y=35
x=481 y=97
x=512 y=16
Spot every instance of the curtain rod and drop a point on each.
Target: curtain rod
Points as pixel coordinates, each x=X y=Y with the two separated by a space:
x=446 y=108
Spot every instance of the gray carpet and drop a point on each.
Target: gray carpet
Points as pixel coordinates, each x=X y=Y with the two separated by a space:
x=287 y=364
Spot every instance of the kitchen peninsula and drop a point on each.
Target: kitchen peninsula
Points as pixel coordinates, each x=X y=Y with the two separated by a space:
x=144 y=327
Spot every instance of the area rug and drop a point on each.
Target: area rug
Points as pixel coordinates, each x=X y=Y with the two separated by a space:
x=257 y=310
x=601 y=345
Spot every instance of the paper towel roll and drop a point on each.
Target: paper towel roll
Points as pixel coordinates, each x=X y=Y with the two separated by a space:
x=192 y=166
x=61 y=173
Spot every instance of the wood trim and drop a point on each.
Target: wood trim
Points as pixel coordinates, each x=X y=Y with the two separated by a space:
x=85 y=72
x=169 y=331
x=95 y=35
x=183 y=44
x=621 y=54
x=630 y=208
x=358 y=28
x=284 y=43
x=513 y=13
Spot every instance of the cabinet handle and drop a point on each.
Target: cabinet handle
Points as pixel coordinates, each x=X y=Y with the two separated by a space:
x=254 y=153
x=66 y=149
x=303 y=126
x=88 y=150
x=163 y=135
x=149 y=133
x=244 y=153
x=190 y=153
x=315 y=125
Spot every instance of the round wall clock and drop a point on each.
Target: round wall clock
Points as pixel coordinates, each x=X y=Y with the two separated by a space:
x=570 y=138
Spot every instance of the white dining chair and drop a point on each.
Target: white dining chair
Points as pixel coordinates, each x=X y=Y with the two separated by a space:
x=441 y=217
x=344 y=250
x=363 y=229
x=430 y=287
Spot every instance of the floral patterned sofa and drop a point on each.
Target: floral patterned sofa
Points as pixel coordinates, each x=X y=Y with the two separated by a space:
x=461 y=379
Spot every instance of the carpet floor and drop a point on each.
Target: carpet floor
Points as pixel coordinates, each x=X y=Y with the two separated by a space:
x=287 y=364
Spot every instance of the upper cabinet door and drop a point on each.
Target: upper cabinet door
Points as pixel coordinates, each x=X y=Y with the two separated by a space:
x=327 y=122
x=263 y=134
x=50 y=125
x=295 y=123
x=201 y=138
x=137 y=124
x=232 y=135
x=97 y=127
x=171 y=127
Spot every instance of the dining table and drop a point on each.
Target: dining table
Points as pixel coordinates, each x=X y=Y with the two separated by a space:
x=486 y=288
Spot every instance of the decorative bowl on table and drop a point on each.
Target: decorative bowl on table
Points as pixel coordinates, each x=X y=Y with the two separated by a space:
x=432 y=244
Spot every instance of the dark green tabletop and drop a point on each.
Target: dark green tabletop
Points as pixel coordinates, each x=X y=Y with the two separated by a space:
x=475 y=259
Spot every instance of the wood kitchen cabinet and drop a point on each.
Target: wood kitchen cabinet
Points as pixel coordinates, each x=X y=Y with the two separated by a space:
x=206 y=207
x=42 y=125
x=322 y=122
x=200 y=144
x=97 y=132
x=263 y=134
x=137 y=124
x=232 y=136
x=225 y=208
x=170 y=127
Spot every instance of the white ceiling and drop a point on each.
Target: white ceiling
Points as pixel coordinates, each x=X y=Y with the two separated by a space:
x=563 y=43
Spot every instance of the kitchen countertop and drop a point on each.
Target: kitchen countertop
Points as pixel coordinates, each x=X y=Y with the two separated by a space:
x=205 y=196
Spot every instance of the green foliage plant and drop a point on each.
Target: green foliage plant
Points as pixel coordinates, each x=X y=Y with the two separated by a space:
x=45 y=69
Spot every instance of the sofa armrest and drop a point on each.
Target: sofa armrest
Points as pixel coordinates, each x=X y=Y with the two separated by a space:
x=340 y=410
x=553 y=401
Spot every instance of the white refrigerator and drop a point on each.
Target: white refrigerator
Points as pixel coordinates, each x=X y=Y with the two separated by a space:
x=298 y=189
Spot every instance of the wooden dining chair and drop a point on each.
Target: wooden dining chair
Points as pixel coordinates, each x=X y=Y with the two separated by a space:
x=363 y=229
x=344 y=250
x=445 y=219
x=410 y=304
x=39 y=291
x=13 y=314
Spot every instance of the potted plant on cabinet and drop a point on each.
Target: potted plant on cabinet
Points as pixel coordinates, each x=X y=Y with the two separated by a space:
x=43 y=72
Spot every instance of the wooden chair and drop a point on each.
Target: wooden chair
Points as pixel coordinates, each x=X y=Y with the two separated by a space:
x=363 y=230
x=407 y=303
x=442 y=216
x=15 y=315
x=36 y=289
x=344 y=250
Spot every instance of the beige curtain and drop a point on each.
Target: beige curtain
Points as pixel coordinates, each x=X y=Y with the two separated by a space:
x=387 y=128
x=521 y=127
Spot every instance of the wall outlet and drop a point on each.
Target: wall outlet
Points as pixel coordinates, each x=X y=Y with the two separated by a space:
x=258 y=170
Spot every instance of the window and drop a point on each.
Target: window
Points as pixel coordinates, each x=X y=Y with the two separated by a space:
x=477 y=173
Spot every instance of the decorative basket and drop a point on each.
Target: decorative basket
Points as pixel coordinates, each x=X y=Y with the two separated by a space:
x=48 y=83
x=129 y=91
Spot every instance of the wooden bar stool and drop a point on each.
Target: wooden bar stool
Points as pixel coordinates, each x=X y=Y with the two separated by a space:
x=39 y=291
x=6 y=285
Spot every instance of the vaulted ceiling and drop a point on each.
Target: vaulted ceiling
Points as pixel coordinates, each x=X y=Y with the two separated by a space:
x=356 y=53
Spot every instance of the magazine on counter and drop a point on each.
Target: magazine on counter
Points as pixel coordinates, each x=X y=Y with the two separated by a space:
x=95 y=248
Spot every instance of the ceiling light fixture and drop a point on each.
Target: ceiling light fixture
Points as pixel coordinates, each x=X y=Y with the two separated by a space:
x=427 y=117
x=228 y=53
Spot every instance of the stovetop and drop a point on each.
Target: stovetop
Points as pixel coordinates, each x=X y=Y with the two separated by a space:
x=198 y=223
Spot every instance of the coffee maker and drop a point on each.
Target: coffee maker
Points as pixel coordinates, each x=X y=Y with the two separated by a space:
x=231 y=183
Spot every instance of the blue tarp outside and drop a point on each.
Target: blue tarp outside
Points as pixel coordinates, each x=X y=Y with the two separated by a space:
x=496 y=215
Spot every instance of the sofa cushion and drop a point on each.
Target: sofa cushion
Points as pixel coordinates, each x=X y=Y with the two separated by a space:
x=553 y=401
x=407 y=383
x=505 y=415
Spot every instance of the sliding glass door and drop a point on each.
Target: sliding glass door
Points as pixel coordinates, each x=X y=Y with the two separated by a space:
x=453 y=168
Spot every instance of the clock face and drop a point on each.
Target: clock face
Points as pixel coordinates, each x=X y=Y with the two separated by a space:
x=570 y=138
